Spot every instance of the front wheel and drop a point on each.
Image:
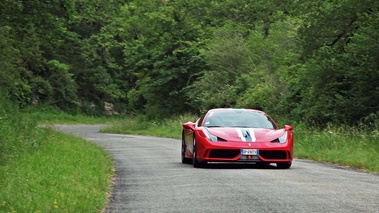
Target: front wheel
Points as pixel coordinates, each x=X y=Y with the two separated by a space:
x=184 y=159
x=283 y=165
x=195 y=162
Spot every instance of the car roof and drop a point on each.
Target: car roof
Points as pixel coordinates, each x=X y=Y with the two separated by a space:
x=242 y=109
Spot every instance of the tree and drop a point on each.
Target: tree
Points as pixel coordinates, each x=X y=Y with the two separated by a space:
x=227 y=57
x=10 y=64
x=248 y=58
x=160 y=50
x=338 y=84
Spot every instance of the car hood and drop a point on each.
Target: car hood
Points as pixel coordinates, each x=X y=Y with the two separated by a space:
x=236 y=134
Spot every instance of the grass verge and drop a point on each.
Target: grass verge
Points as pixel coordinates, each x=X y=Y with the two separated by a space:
x=56 y=116
x=170 y=128
x=343 y=146
x=65 y=174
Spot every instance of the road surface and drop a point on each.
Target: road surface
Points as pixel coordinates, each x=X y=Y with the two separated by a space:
x=151 y=178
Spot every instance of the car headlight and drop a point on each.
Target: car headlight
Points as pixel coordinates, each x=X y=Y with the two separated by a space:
x=281 y=139
x=209 y=135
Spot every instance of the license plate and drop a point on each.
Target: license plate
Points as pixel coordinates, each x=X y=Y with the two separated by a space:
x=249 y=151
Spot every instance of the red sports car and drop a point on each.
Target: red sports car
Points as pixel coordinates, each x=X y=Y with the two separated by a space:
x=237 y=135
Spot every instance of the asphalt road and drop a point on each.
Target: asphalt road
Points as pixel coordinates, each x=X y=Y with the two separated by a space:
x=151 y=178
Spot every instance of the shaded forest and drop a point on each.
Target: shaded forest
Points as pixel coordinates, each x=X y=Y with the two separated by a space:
x=312 y=61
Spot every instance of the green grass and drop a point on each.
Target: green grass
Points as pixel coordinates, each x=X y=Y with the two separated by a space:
x=343 y=146
x=169 y=128
x=65 y=174
x=56 y=116
x=45 y=171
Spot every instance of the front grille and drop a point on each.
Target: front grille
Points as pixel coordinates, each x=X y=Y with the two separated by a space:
x=267 y=154
x=221 y=153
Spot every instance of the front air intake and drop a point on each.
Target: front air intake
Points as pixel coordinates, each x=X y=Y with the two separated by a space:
x=268 y=154
x=220 y=153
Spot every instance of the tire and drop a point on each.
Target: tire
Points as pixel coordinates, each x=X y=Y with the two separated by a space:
x=184 y=159
x=283 y=165
x=262 y=164
x=195 y=162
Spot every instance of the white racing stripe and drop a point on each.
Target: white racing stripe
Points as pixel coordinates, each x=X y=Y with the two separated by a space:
x=246 y=134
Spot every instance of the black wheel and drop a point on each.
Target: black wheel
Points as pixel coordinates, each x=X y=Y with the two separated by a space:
x=195 y=162
x=184 y=159
x=283 y=165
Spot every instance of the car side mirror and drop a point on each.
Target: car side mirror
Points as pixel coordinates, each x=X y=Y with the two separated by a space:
x=189 y=125
x=288 y=127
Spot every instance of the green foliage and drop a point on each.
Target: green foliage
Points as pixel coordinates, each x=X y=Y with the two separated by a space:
x=337 y=84
x=9 y=59
x=47 y=114
x=45 y=171
x=340 y=145
x=65 y=174
x=18 y=135
x=160 y=55
x=309 y=60
x=226 y=57
x=170 y=127
x=269 y=84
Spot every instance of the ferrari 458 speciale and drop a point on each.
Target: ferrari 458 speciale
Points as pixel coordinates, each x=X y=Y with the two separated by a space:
x=236 y=135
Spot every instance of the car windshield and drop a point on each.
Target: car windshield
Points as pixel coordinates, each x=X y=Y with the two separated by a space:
x=238 y=118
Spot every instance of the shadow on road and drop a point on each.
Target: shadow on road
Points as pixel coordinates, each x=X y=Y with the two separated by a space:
x=236 y=166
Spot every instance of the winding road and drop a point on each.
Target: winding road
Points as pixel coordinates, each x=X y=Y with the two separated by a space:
x=151 y=178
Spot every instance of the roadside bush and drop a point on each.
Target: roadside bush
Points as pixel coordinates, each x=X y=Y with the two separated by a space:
x=18 y=134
